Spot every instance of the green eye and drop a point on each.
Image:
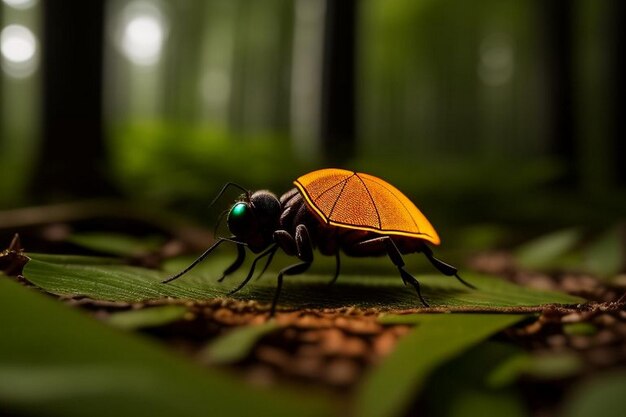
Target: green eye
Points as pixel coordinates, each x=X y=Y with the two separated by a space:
x=238 y=210
x=240 y=219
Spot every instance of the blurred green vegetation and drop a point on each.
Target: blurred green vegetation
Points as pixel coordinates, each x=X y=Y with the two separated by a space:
x=451 y=108
x=104 y=372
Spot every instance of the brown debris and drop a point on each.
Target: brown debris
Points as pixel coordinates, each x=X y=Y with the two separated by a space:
x=384 y=344
x=13 y=259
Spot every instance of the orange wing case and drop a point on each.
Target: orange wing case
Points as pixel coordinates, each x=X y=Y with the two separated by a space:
x=361 y=201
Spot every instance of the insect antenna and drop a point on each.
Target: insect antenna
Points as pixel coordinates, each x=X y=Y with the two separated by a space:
x=219 y=220
x=225 y=187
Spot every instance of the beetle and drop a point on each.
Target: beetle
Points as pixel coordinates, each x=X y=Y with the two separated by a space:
x=333 y=210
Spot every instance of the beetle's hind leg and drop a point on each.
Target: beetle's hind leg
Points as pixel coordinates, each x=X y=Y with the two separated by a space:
x=337 y=267
x=396 y=258
x=380 y=245
x=241 y=256
x=443 y=267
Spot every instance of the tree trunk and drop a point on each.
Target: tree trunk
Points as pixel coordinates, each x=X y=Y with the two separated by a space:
x=72 y=160
x=618 y=139
x=555 y=18
x=338 y=128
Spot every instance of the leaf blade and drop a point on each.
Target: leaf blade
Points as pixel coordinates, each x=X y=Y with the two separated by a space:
x=132 y=284
x=236 y=344
x=88 y=366
x=437 y=338
x=545 y=250
x=147 y=317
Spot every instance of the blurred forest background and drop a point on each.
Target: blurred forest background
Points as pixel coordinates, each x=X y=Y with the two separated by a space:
x=120 y=120
x=492 y=113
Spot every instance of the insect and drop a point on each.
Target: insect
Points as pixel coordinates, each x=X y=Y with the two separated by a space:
x=333 y=210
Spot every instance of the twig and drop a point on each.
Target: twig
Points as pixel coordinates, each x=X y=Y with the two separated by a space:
x=591 y=307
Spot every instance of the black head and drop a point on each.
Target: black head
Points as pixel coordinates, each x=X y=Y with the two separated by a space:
x=254 y=218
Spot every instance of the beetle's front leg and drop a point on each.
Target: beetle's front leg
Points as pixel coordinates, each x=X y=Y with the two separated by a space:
x=300 y=246
x=268 y=252
x=241 y=256
x=286 y=242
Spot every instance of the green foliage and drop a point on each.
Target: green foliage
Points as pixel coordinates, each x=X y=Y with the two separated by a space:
x=547 y=250
x=104 y=281
x=173 y=163
x=116 y=243
x=462 y=387
x=55 y=361
x=581 y=329
x=389 y=388
x=547 y=366
x=600 y=396
x=147 y=317
x=603 y=255
x=606 y=255
x=236 y=344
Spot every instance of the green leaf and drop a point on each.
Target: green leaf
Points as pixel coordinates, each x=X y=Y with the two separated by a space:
x=236 y=344
x=472 y=402
x=147 y=317
x=56 y=361
x=544 y=366
x=389 y=388
x=116 y=244
x=606 y=255
x=75 y=259
x=546 y=250
x=554 y=365
x=600 y=396
x=75 y=276
x=461 y=386
x=508 y=371
x=581 y=328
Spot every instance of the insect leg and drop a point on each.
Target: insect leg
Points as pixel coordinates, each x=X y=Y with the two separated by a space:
x=200 y=259
x=290 y=270
x=337 y=267
x=305 y=253
x=286 y=242
x=267 y=263
x=303 y=243
x=241 y=256
x=396 y=258
x=443 y=267
x=270 y=252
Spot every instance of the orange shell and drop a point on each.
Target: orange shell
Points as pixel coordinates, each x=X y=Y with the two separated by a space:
x=361 y=201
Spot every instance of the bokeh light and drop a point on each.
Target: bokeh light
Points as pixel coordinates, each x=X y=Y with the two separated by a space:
x=18 y=46
x=142 y=33
x=20 y=4
x=496 y=60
